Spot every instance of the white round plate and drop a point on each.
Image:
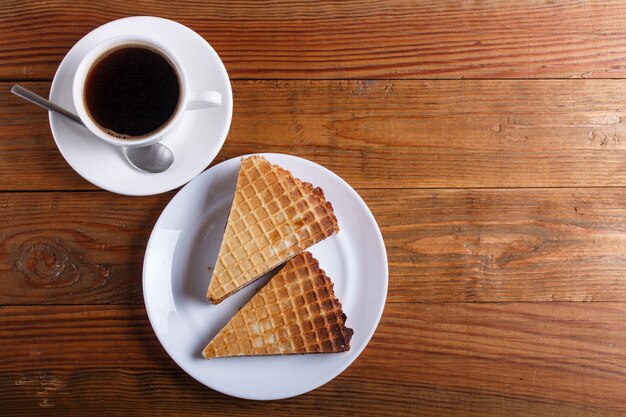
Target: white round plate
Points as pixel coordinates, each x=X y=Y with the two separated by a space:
x=184 y=244
x=196 y=141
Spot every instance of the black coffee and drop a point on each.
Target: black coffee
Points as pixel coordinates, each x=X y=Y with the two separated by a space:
x=132 y=91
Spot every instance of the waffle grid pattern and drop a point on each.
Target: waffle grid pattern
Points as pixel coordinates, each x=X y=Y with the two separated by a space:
x=274 y=216
x=296 y=312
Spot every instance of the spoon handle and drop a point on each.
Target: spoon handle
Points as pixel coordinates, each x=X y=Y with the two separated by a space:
x=28 y=95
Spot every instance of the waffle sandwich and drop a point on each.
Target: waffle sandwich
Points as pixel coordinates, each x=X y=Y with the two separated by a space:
x=296 y=312
x=274 y=216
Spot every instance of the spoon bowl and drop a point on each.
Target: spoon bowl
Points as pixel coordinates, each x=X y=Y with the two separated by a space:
x=153 y=159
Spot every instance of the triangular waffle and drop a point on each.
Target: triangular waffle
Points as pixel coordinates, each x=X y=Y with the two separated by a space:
x=296 y=312
x=274 y=216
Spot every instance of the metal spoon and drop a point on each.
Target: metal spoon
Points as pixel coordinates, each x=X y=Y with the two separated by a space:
x=153 y=158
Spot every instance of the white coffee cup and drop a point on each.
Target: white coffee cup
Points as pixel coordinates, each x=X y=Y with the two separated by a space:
x=188 y=100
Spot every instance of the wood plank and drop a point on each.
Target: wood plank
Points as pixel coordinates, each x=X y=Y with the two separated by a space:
x=552 y=359
x=443 y=245
x=504 y=244
x=29 y=158
x=357 y=39
x=73 y=248
x=400 y=134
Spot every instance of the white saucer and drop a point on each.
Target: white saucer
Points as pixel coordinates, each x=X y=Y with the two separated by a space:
x=196 y=141
x=185 y=242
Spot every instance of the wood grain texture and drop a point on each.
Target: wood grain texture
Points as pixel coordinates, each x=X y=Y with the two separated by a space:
x=389 y=134
x=552 y=359
x=443 y=245
x=73 y=248
x=504 y=245
x=28 y=153
x=357 y=39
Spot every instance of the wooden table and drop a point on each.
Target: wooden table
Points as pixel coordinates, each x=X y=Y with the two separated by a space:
x=488 y=139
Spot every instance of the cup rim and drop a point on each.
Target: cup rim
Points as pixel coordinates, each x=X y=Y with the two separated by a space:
x=87 y=63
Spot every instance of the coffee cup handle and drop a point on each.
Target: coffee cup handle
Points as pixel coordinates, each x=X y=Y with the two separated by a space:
x=203 y=99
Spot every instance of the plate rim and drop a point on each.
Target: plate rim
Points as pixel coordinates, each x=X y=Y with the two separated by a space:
x=53 y=118
x=379 y=242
